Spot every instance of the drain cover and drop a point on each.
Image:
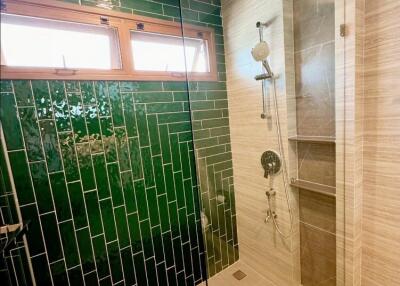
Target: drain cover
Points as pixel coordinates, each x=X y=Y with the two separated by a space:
x=239 y=275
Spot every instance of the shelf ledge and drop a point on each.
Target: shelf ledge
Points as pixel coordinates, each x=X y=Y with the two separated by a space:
x=314 y=187
x=313 y=139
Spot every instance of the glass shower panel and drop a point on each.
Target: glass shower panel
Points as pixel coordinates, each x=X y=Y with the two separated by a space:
x=268 y=140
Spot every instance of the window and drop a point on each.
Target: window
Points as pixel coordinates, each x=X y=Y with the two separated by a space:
x=157 y=52
x=35 y=42
x=56 y=40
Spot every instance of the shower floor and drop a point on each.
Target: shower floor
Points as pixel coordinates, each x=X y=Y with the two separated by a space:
x=226 y=278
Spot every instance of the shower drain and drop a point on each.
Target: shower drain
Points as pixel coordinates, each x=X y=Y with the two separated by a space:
x=239 y=275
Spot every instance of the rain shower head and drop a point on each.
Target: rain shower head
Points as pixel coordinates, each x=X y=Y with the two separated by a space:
x=260 y=52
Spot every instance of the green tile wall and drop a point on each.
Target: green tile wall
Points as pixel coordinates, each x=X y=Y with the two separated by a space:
x=110 y=169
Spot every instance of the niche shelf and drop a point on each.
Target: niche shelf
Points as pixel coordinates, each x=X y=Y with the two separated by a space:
x=314 y=187
x=313 y=139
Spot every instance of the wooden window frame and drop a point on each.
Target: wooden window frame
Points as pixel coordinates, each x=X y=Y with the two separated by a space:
x=124 y=23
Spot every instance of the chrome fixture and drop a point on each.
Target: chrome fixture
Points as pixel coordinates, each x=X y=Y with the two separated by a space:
x=271 y=162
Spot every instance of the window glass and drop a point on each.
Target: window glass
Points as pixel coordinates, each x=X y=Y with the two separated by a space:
x=158 y=52
x=36 y=42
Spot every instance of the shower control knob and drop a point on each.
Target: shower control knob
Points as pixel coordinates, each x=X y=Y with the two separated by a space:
x=271 y=162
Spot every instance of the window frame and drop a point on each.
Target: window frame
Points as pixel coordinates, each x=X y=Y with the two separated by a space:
x=124 y=23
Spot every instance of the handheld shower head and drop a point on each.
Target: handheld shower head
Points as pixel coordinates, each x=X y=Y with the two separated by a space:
x=260 y=52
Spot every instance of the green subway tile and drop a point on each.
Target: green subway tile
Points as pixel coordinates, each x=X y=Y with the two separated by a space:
x=164 y=107
x=72 y=86
x=216 y=95
x=169 y=182
x=88 y=94
x=105 y=281
x=115 y=261
x=210 y=151
x=151 y=195
x=183 y=225
x=116 y=104
x=60 y=195
x=93 y=128
x=142 y=124
x=138 y=260
x=136 y=162
x=188 y=14
x=77 y=116
x=129 y=192
x=207 y=114
x=141 y=200
x=145 y=230
x=220 y=131
x=30 y=130
x=42 y=97
x=103 y=103
x=22 y=180
x=108 y=136
x=85 y=166
x=69 y=244
x=211 y=123
x=179 y=189
x=129 y=113
x=192 y=230
x=34 y=235
x=172 y=11
x=100 y=252
x=176 y=161
x=201 y=105
x=147 y=167
x=40 y=266
x=50 y=145
x=173 y=117
x=154 y=136
x=188 y=196
x=205 y=7
x=107 y=215
x=159 y=175
x=162 y=274
x=68 y=153
x=122 y=227
x=197 y=95
x=185 y=137
x=85 y=250
x=157 y=243
x=169 y=254
x=51 y=236
x=184 y=152
x=122 y=148
x=179 y=127
x=5 y=85
x=173 y=217
x=181 y=96
x=23 y=92
x=91 y=278
x=93 y=211
x=153 y=97
x=75 y=276
x=42 y=187
x=140 y=85
x=165 y=147
x=77 y=204
x=100 y=171
x=177 y=244
x=212 y=85
x=59 y=273
x=60 y=106
x=224 y=139
x=134 y=230
x=128 y=268
x=10 y=122
x=115 y=184
x=175 y=86
x=164 y=216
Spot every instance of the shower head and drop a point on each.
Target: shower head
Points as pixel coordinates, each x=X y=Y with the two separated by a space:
x=260 y=52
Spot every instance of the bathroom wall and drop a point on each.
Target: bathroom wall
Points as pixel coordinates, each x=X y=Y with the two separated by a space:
x=106 y=170
x=381 y=140
x=261 y=247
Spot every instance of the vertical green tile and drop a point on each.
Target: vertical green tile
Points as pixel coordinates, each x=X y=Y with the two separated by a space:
x=134 y=230
x=5 y=85
x=93 y=211
x=108 y=136
x=41 y=187
x=189 y=196
x=122 y=148
x=173 y=217
x=138 y=260
x=10 y=122
x=163 y=207
x=122 y=226
x=176 y=158
x=157 y=243
x=103 y=104
x=85 y=166
x=183 y=225
x=50 y=145
x=69 y=244
x=91 y=278
x=147 y=240
x=59 y=273
x=115 y=261
x=116 y=104
x=34 y=235
x=100 y=171
x=129 y=192
x=75 y=276
x=136 y=161
x=141 y=120
x=159 y=175
x=115 y=185
x=77 y=116
x=129 y=114
x=51 y=236
x=23 y=92
x=185 y=160
x=30 y=130
x=68 y=153
x=88 y=94
x=22 y=180
x=153 y=206
x=60 y=195
x=60 y=106
x=165 y=147
x=169 y=254
x=147 y=167
x=141 y=200
x=154 y=137
x=72 y=86
x=77 y=204
x=179 y=189
x=100 y=252
x=169 y=182
x=41 y=270
x=178 y=254
x=93 y=128
x=107 y=215
x=42 y=97
x=128 y=267
x=85 y=250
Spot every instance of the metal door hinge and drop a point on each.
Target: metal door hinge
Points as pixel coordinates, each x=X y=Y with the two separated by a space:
x=343 y=30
